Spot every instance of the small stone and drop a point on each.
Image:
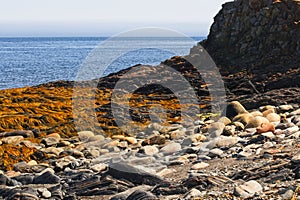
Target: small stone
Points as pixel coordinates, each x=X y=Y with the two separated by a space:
x=269 y=135
x=99 y=167
x=200 y=165
x=229 y=130
x=123 y=144
x=268 y=145
x=150 y=150
x=131 y=140
x=296 y=112
x=96 y=138
x=266 y=127
x=291 y=130
x=156 y=139
x=244 y=118
x=32 y=163
x=55 y=135
x=53 y=150
x=234 y=108
x=285 y=108
x=244 y=154
x=296 y=159
x=226 y=142
x=193 y=139
x=256 y=122
x=50 y=141
x=273 y=117
x=216 y=129
x=288 y=195
x=256 y=113
x=215 y=153
x=225 y=120
x=192 y=194
x=239 y=126
x=295 y=135
x=177 y=134
x=16 y=140
x=171 y=148
x=85 y=135
x=248 y=189
x=165 y=172
x=46 y=194
x=47 y=177
x=267 y=107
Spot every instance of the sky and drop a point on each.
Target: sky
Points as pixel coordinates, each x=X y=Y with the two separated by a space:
x=104 y=18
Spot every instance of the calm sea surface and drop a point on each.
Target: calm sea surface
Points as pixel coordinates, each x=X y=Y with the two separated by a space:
x=32 y=61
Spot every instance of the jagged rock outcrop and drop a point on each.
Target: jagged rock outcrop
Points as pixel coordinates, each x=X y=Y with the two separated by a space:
x=256 y=45
x=255 y=34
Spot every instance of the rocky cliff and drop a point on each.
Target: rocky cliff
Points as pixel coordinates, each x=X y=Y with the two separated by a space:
x=256 y=34
x=256 y=44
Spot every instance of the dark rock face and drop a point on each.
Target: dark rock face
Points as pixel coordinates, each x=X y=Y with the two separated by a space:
x=256 y=34
x=256 y=44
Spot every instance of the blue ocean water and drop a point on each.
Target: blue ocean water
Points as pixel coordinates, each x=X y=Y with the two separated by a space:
x=32 y=61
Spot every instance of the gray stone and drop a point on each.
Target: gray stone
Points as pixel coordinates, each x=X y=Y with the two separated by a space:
x=227 y=142
x=296 y=158
x=150 y=150
x=215 y=153
x=269 y=135
x=16 y=140
x=229 y=130
x=122 y=170
x=248 y=189
x=47 y=177
x=192 y=194
x=200 y=166
x=50 y=141
x=288 y=195
x=285 y=108
x=216 y=129
x=171 y=148
x=85 y=135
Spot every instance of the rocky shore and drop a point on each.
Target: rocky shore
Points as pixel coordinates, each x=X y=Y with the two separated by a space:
x=250 y=151
x=248 y=154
